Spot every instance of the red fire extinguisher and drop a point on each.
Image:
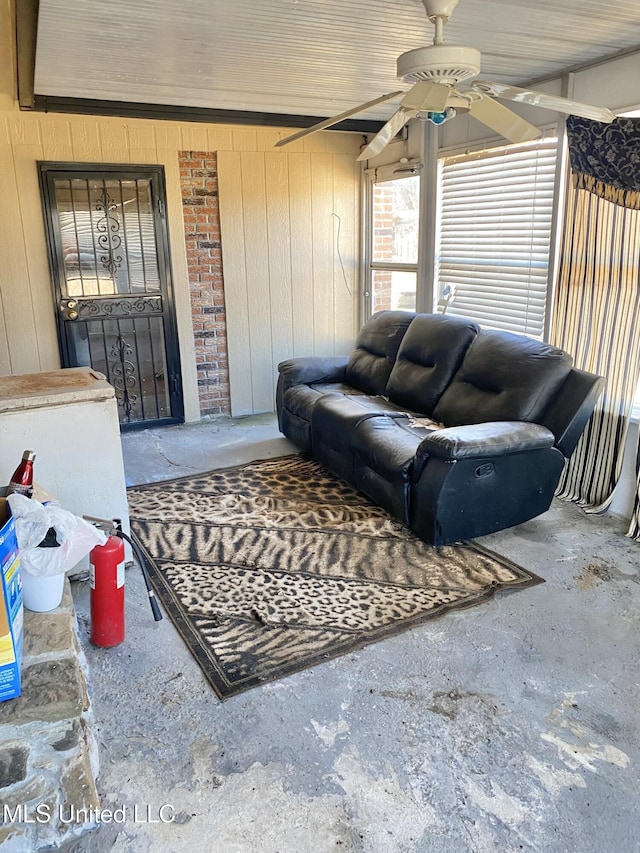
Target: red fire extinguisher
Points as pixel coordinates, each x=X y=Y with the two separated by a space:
x=107 y=583
x=106 y=576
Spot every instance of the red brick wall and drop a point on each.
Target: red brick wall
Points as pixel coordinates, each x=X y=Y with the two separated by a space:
x=383 y=212
x=199 y=182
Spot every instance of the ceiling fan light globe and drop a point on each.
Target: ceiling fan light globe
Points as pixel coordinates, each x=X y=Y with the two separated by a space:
x=440 y=118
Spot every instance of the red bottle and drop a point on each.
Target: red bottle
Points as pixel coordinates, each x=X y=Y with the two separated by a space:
x=21 y=482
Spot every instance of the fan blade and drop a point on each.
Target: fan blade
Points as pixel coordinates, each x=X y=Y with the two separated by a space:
x=426 y=96
x=328 y=122
x=423 y=97
x=503 y=121
x=541 y=99
x=384 y=136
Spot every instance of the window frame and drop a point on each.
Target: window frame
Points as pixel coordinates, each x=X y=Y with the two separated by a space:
x=400 y=170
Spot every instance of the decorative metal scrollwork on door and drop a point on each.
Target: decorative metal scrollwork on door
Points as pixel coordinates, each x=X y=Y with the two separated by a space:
x=140 y=306
x=109 y=239
x=123 y=375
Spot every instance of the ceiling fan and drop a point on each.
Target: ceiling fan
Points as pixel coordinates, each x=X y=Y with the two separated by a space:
x=436 y=71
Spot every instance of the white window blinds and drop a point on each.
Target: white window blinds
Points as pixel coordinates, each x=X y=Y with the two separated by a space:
x=495 y=232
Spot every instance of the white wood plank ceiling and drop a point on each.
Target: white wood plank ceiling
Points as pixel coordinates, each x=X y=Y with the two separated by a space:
x=302 y=57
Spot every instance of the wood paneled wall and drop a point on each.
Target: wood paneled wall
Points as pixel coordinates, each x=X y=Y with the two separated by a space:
x=289 y=229
x=289 y=263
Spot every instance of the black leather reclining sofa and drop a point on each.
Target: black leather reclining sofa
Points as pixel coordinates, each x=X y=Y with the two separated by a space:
x=512 y=409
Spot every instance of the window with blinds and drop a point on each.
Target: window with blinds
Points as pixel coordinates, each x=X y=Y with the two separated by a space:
x=495 y=234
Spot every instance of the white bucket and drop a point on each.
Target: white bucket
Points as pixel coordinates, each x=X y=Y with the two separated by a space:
x=41 y=593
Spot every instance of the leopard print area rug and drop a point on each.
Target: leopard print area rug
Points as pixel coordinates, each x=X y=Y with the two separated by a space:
x=272 y=567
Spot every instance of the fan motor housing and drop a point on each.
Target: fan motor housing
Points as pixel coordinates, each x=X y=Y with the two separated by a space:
x=442 y=63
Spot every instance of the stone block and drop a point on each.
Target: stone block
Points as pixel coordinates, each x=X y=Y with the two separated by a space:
x=47 y=632
x=78 y=785
x=13 y=763
x=37 y=789
x=70 y=737
x=51 y=690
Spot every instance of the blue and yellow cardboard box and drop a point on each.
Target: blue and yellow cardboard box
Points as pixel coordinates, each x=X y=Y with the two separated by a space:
x=11 y=610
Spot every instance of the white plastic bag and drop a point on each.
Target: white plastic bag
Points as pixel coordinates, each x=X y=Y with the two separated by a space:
x=76 y=536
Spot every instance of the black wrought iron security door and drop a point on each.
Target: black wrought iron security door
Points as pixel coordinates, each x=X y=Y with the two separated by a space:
x=109 y=257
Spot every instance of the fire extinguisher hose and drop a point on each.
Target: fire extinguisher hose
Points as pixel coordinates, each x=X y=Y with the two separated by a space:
x=142 y=560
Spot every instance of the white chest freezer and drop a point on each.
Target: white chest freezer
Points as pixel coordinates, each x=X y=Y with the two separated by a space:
x=69 y=418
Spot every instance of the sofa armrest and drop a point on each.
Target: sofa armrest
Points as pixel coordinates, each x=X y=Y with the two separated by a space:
x=304 y=371
x=495 y=438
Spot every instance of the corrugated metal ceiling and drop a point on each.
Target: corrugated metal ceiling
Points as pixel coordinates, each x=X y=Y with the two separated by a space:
x=302 y=57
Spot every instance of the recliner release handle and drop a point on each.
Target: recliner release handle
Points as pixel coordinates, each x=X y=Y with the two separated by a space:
x=485 y=470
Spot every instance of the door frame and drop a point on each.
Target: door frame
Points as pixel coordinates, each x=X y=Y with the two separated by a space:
x=155 y=173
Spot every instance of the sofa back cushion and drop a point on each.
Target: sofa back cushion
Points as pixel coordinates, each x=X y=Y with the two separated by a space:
x=503 y=377
x=376 y=348
x=430 y=354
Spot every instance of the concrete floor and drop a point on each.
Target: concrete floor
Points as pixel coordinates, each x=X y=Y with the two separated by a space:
x=510 y=726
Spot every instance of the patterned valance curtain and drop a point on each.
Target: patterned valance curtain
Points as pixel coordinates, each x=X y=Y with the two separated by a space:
x=605 y=158
x=597 y=306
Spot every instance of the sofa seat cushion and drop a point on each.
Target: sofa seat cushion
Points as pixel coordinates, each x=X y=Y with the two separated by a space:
x=301 y=400
x=333 y=422
x=381 y=406
x=375 y=352
x=503 y=377
x=430 y=354
x=384 y=454
x=337 y=388
x=388 y=445
x=333 y=425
